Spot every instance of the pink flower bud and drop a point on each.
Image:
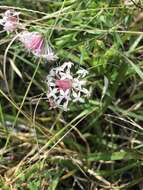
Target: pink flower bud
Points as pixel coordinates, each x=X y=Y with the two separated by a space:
x=35 y=42
x=32 y=41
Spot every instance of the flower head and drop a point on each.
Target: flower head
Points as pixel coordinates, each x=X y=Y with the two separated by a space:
x=35 y=42
x=10 y=20
x=63 y=86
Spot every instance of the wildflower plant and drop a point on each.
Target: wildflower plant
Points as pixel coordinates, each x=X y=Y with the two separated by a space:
x=97 y=143
x=65 y=86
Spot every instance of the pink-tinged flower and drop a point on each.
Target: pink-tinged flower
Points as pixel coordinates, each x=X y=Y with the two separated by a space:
x=10 y=21
x=35 y=43
x=63 y=86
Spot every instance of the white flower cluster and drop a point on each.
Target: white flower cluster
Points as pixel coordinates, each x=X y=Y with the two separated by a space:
x=10 y=21
x=64 y=87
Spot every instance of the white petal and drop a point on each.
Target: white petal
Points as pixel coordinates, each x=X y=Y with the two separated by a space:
x=81 y=100
x=82 y=72
x=52 y=93
x=75 y=95
x=51 y=84
x=67 y=64
x=52 y=73
x=62 y=92
x=1 y=22
x=65 y=105
x=85 y=91
x=59 y=100
x=67 y=92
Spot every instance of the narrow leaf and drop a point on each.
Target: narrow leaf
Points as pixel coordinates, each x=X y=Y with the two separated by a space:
x=15 y=68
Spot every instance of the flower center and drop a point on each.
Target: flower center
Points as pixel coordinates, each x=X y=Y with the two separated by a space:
x=64 y=84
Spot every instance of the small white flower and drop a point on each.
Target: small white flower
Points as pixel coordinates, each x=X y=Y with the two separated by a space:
x=52 y=74
x=65 y=76
x=77 y=97
x=78 y=84
x=64 y=87
x=65 y=95
x=52 y=93
x=67 y=66
x=82 y=73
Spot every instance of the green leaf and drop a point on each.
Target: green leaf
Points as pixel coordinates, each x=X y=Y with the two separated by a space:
x=121 y=155
x=17 y=71
x=54 y=183
x=136 y=68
